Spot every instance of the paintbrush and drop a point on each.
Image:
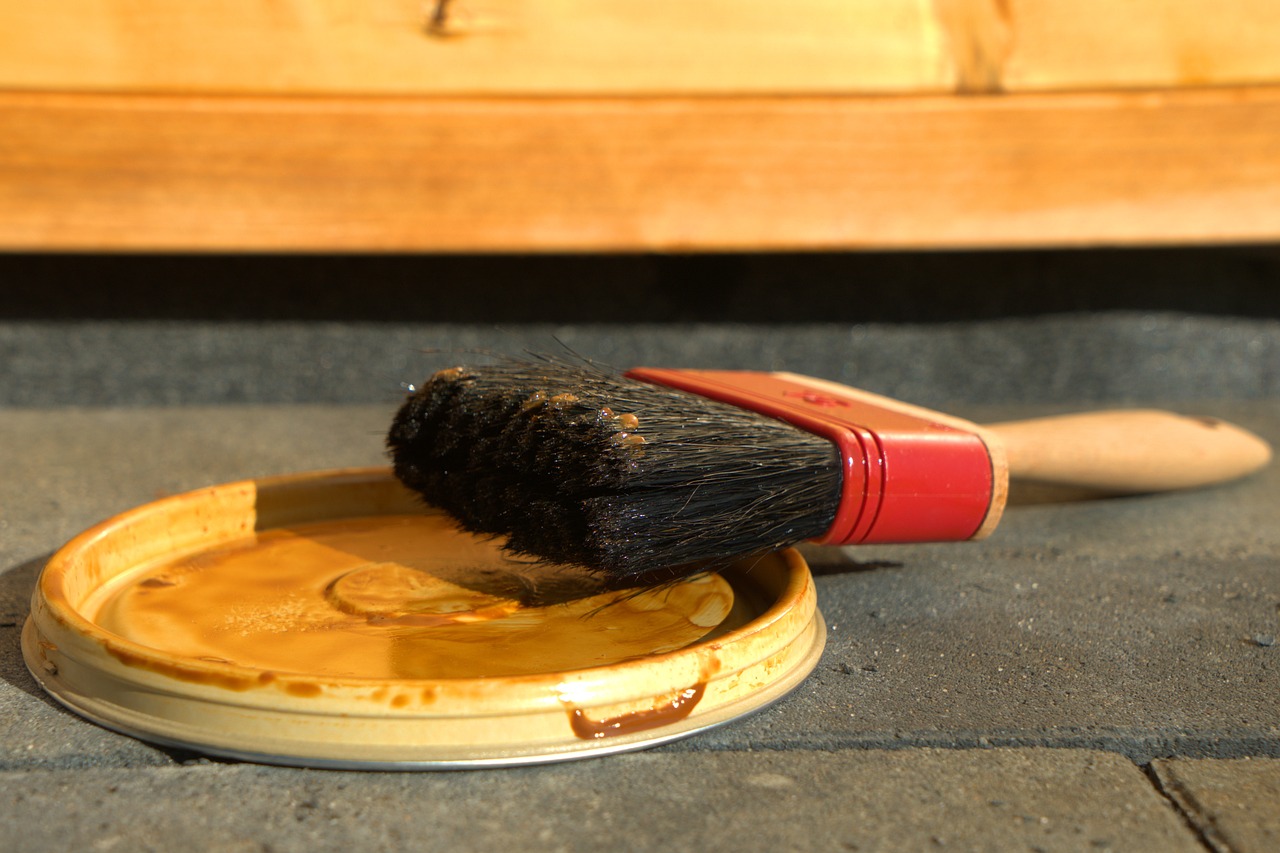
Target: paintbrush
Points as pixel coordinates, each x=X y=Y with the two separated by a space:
x=655 y=474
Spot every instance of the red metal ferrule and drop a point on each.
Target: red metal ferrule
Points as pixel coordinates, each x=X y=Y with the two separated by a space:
x=909 y=475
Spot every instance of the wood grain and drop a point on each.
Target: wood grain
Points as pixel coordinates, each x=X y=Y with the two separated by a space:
x=506 y=47
x=617 y=47
x=1100 y=44
x=603 y=124
x=92 y=171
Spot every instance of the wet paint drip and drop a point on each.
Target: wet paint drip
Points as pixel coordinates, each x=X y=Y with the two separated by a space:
x=674 y=710
x=402 y=596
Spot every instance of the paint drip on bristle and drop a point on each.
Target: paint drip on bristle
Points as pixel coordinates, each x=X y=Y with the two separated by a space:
x=642 y=483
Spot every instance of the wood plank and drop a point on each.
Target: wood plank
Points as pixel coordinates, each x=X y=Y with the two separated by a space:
x=1070 y=44
x=509 y=47
x=1061 y=45
x=620 y=47
x=234 y=173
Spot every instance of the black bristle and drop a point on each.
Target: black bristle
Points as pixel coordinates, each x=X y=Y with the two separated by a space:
x=575 y=464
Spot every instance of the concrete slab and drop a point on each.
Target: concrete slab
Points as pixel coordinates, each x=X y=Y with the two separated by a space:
x=1141 y=627
x=66 y=469
x=1136 y=625
x=1231 y=803
x=1035 y=360
x=1043 y=800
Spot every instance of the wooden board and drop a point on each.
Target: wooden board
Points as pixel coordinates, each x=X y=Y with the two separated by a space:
x=170 y=172
x=1105 y=44
x=609 y=47
x=548 y=47
x=603 y=124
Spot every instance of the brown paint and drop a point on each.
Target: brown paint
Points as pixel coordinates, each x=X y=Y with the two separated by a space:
x=189 y=674
x=665 y=713
x=396 y=597
x=155 y=582
x=670 y=711
x=303 y=689
x=45 y=648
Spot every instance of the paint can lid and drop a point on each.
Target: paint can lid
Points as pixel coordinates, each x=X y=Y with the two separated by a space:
x=328 y=619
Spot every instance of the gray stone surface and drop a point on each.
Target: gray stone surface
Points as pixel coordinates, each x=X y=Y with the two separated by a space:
x=1230 y=802
x=1122 y=633
x=66 y=469
x=1073 y=358
x=1125 y=624
x=1048 y=800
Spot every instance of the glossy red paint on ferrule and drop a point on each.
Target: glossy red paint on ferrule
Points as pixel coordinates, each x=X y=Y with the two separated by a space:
x=906 y=478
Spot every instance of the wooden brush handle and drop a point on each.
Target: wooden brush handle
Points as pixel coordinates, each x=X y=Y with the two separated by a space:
x=1129 y=451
